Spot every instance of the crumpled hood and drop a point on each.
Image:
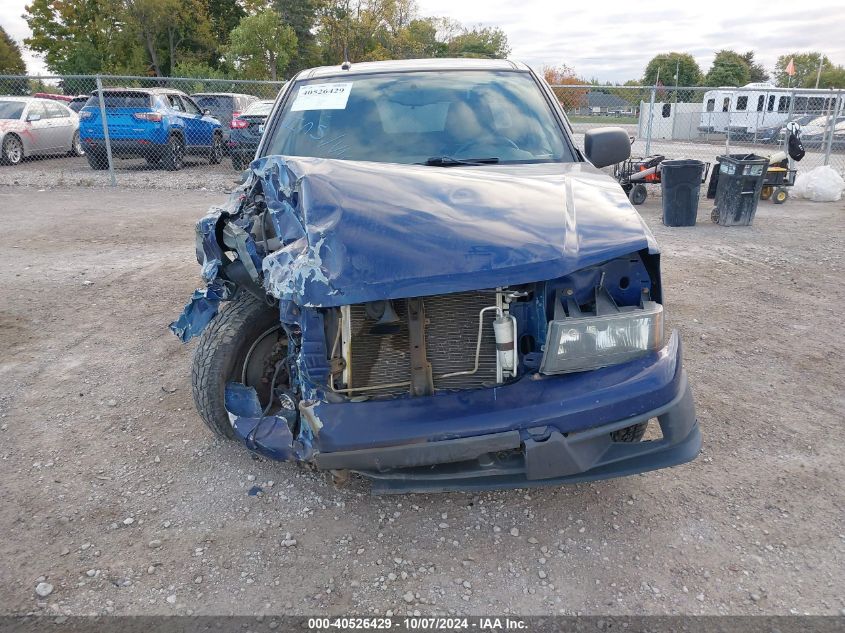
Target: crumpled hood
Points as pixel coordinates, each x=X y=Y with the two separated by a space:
x=361 y=231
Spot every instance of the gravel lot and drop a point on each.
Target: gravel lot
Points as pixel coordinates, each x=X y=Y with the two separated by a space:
x=116 y=496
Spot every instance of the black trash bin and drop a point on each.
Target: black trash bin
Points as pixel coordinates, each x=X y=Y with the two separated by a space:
x=738 y=188
x=680 y=183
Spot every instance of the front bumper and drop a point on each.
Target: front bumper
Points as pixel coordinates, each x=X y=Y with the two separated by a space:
x=552 y=430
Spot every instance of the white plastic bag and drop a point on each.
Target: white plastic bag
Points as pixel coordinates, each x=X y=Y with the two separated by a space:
x=822 y=184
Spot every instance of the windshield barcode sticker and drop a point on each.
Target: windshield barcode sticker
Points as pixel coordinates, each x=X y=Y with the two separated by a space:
x=322 y=97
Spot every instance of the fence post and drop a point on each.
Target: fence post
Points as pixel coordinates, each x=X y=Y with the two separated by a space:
x=791 y=163
x=833 y=117
x=650 y=119
x=105 y=130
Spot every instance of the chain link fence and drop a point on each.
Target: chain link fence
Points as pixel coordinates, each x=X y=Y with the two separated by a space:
x=702 y=123
x=128 y=130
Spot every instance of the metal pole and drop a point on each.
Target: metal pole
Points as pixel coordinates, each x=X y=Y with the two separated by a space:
x=105 y=130
x=650 y=118
x=786 y=135
x=833 y=118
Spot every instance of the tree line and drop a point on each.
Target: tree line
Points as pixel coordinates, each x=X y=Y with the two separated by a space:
x=244 y=39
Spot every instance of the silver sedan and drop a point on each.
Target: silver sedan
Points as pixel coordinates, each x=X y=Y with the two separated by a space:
x=36 y=127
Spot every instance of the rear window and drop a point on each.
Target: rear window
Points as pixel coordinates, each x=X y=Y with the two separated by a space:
x=215 y=104
x=121 y=100
x=11 y=109
x=259 y=109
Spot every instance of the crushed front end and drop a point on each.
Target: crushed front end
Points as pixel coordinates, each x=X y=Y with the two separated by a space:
x=430 y=359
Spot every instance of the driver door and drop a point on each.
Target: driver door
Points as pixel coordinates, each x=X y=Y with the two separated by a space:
x=197 y=129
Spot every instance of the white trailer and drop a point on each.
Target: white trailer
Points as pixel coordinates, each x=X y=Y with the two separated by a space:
x=678 y=121
x=758 y=105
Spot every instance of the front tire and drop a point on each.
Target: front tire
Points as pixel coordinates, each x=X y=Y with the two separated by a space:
x=12 y=150
x=76 y=148
x=97 y=160
x=630 y=434
x=243 y=343
x=215 y=155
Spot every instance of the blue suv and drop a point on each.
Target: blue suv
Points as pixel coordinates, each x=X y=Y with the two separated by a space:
x=158 y=124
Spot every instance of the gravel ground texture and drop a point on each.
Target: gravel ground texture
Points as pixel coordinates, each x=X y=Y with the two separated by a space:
x=117 y=500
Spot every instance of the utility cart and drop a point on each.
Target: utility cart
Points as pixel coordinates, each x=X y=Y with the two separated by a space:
x=634 y=173
x=776 y=184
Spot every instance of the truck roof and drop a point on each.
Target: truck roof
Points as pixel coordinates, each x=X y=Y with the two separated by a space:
x=406 y=65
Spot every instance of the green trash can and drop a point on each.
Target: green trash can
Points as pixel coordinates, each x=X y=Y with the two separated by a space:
x=680 y=183
x=738 y=188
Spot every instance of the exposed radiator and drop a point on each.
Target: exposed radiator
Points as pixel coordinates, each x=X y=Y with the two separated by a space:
x=451 y=336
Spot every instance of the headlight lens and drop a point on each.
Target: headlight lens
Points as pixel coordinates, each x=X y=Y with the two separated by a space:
x=583 y=343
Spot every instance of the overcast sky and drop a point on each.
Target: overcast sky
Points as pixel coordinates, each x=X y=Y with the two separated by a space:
x=613 y=40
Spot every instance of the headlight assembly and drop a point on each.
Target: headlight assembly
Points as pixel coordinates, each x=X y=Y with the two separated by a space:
x=588 y=342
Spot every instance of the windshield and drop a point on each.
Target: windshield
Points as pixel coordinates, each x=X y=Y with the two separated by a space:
x=412 y=117
x=259 y=108
x=11 y=109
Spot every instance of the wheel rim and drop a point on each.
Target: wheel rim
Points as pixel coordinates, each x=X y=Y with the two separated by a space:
x=176 y=151
x=14 y=150
x=260 y=362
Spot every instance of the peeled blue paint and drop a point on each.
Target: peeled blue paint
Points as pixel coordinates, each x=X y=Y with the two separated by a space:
x=269 y=435
x=200 y=310
x=358 y=231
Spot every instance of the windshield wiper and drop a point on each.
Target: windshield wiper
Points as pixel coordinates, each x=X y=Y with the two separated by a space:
x=448 y=161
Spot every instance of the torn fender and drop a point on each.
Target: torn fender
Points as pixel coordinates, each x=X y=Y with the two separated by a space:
x=269 y=435
x=202 y=307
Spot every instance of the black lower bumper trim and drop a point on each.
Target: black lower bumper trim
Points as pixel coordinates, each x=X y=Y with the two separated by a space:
x=414 y=455
x=587 y=455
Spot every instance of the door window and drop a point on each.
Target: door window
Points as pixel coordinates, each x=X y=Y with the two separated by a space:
x=761 y=101
x=55 y=111
x=742 y=103
x=175 y=102
x=771 y=103
x=711 y=105
x=37 y=108
x=783 y=104
x=190 y=106
x=666 y=110
x=726 y=104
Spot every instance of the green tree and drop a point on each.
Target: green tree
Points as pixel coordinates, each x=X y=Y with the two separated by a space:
x=11 y=62
x=831 y=77
x=490 y=42
x=301 y=16
x=689 y=73
x=83 y=37
x=756 y=70
x=171 y=29
x=224 y=16
x=729 y=69
x=806 y=66
x=262 y=45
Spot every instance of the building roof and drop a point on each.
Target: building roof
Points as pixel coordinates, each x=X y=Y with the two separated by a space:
x=605 y=100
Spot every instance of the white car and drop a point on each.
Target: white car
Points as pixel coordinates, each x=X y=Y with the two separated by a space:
x=35 y=127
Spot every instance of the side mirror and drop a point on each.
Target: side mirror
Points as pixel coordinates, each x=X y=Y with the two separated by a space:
x=206 y=112
x=31 y=118
x=607 y=146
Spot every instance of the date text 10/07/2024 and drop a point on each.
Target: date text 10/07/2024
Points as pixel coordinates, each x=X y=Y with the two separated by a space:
x=492 y=624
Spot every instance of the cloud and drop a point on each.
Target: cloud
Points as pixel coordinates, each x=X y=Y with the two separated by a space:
x=613 y=40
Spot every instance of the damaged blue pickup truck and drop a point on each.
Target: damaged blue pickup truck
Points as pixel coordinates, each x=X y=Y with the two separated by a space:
x=429 y=284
